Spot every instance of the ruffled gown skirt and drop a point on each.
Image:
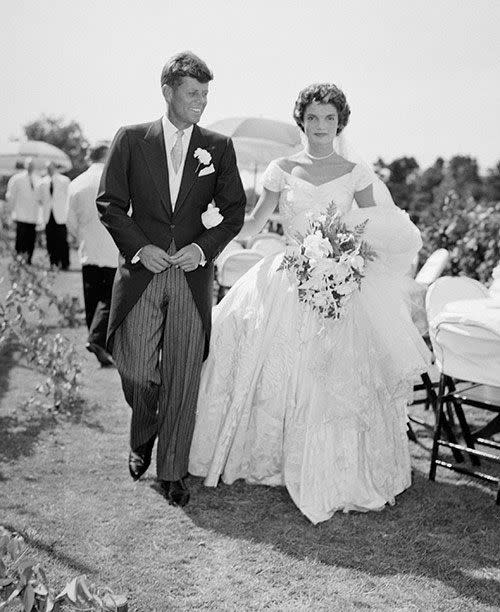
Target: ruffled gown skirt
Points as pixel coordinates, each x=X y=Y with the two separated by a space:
x=316 y=405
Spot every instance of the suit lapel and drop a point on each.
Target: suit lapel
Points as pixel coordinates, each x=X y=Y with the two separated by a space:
x=189 y=174
x=154 y=150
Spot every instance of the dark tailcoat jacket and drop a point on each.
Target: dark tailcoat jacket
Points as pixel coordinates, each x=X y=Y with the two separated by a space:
x=134 y=205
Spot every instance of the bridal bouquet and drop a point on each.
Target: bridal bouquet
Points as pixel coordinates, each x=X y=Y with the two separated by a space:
x=329 y=263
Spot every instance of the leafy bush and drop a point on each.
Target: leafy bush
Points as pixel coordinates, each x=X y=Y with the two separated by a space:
x=469 y=230
x=22 y=578
x=454 y=207
x=23 y=324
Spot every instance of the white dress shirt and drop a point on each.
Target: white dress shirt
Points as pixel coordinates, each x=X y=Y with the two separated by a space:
x=170 y=136
x=57 y=203
x=22 y=197
x=96 y=247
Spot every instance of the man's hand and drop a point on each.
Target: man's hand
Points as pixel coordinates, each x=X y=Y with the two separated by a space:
x=154 y=259
x=188 y=258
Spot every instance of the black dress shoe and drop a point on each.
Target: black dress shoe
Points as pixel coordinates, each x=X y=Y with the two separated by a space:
x=103 y=357
x=140 y=459
x=178 y=494
x=164 y=487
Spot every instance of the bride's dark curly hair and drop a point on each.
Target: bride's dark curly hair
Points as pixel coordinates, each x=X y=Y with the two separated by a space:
x=325 y=93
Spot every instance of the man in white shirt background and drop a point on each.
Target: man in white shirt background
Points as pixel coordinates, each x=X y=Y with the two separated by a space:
x=22 y=198
x=52 y=193
x=97 y=250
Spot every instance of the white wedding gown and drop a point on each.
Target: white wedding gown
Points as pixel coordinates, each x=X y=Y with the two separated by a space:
x=287 y=398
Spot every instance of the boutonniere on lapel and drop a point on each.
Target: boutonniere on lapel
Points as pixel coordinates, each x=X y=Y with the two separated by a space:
x=211 y=217
x=204 y=159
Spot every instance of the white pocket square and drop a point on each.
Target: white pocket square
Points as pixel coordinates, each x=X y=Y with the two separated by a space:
x=207 y=170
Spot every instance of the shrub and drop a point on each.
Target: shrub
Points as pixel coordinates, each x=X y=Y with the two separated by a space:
x=468 y=229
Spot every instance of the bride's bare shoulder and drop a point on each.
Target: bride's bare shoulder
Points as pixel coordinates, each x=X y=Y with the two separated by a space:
x=287 y=164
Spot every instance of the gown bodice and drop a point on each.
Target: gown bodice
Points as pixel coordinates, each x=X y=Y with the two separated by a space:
x=300 y=199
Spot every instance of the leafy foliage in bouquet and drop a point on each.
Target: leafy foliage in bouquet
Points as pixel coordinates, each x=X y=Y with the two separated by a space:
x=23 y=579
x=329 y=263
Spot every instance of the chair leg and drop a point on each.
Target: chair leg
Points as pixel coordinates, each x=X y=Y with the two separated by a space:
x=430 y=399
x=489 y=430
x=469 y=440
x=437 y=429
x=447 y=426
x=410 y=433
x=449 y=406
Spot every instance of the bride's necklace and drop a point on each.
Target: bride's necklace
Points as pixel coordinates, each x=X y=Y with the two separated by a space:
x=318 y=158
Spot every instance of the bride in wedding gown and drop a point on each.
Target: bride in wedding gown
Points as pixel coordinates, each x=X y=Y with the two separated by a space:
x=288 y=398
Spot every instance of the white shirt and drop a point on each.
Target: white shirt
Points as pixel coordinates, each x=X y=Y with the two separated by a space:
x=22 y=197
x=57 y=203
x=96 y=245
x=170 y=136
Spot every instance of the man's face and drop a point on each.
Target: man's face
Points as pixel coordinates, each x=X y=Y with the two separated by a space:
x=186 y=102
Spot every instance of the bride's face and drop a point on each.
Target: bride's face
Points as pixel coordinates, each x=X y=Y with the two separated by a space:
x=320 y=123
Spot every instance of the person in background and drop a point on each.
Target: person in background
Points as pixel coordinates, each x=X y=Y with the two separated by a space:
x=21 y=197
x=97 y=250
x=52 y=193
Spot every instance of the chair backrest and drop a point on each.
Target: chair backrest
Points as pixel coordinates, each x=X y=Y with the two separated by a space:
x=235 y=265
x=233 y=247
x=449 y=289
x=433 y=267
x=269 y=244
x=467 y=352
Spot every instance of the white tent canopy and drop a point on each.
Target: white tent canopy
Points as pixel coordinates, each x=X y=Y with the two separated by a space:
x=42 y=152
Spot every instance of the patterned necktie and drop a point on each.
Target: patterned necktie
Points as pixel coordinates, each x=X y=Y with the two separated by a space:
x=177 y=151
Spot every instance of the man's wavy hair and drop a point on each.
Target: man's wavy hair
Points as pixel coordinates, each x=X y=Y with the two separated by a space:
x=324 y=93
x=185 y=64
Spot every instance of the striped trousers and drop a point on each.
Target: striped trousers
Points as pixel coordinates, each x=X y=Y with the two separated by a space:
x=158 y=350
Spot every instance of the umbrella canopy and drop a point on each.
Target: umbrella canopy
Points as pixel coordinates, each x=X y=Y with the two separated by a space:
x=41 y=152
x=257 y=140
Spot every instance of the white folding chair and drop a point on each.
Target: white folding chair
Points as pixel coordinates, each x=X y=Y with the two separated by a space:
x=234 y=267
x=268 y=244
x=466 y=352
x=449 y=289
x=442 y=291
x=232 y=247
x=433 y=267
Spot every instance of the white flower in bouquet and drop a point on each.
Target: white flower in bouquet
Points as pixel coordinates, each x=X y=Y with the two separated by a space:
x=316 y=246
x=320 y=300
x=321 y=267
x=357 y=262
x=340 y=271
x=347 y=287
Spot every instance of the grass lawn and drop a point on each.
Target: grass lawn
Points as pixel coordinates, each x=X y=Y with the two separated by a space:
x=65 y=487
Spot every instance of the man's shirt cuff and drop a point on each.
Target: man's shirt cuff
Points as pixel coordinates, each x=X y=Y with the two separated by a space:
x=135 y=259
x=203 y=260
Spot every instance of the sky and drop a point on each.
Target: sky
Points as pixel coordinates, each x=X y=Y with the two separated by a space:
x=422 y=77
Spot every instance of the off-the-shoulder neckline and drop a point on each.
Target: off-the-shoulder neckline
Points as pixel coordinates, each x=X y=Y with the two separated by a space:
x=312 y=184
